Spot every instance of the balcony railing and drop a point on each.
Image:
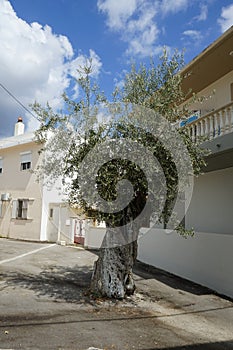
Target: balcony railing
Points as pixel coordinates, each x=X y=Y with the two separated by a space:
x=212 y=125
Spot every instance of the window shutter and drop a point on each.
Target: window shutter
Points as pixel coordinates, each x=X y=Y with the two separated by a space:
x=25 y=209
x=25 y=157
x=0 y=209
x=14 y=209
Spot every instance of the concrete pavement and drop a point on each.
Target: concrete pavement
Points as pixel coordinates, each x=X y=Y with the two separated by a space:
x=44 y=304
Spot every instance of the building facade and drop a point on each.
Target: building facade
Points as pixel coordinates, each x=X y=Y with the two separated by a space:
x=29 y=210
x=207 y=257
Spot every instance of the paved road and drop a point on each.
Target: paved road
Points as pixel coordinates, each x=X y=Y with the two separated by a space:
x=44 y=305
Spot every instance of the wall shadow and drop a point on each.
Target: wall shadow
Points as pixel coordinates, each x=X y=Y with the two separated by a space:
x=148 y=272
x=224 y=345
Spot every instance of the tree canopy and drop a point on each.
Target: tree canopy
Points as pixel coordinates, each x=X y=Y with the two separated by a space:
x=92 y=123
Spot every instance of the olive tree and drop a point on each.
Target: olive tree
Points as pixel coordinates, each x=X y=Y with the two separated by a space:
x=126 y=162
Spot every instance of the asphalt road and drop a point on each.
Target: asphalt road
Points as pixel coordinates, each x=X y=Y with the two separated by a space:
x=44 y=304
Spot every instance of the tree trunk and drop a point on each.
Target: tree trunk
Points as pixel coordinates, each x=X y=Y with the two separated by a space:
x=112 y=276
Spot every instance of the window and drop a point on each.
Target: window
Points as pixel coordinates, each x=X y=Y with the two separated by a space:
x=25 y=160
x=231 y=91
x=51 y=213
x=20 y=209
x=1 y=165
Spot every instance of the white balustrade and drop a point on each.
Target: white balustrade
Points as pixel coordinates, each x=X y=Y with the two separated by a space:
x=212 y=125
x=222 y=117
x=228 y=120
x=217 y=126
x=193 y=132
x=231 y=113
x=202 y=125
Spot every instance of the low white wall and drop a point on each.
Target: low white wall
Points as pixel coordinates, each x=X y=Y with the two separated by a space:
x=94 y=237
x=206 y=258
x=211 y=205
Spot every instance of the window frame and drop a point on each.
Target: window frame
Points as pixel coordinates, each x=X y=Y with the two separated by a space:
x=25 y=160
x=20 y=209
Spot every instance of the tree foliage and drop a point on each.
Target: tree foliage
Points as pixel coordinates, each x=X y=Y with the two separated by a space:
x=79 y=130
x=157 y=87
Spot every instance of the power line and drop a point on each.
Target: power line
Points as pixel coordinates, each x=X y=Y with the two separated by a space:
x=18 y=101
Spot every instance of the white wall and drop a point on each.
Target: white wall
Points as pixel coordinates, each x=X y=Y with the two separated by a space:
x=49 y=195
x=205 y=258
x=59 y=226
x=94 y=237
x=211 y=207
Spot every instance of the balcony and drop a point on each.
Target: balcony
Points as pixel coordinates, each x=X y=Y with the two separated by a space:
x=216 y=129
x=212 y=125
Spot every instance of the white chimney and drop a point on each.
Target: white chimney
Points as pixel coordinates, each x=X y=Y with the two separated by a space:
x=19 y=127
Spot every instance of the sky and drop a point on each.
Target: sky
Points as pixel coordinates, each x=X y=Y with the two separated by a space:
x=43 y=42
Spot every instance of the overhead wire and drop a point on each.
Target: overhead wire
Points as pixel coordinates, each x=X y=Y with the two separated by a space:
x=18 y=101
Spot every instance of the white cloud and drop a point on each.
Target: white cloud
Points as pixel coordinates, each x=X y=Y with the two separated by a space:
x=173 y=6
x=194 y=35
x=35 y=64
x=142 y=32
x=118 y=11
x=226 y=19
x=203 y=13
x=135 y=20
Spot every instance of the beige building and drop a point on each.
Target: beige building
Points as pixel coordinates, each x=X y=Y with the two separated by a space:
x=28 y=210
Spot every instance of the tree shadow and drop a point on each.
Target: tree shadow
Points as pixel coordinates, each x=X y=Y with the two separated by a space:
x=70 y=284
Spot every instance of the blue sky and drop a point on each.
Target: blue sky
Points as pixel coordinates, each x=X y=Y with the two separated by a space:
x=42 y=42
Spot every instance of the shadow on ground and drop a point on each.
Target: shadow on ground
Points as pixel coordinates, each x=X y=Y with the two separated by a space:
x=225 y=345
x=72 y=284
x=58 y=282
x=147 y=272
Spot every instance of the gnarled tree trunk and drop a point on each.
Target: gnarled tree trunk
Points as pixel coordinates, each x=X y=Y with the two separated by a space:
x=112 y=276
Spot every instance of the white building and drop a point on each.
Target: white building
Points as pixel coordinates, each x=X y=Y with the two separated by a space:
x=206 y=258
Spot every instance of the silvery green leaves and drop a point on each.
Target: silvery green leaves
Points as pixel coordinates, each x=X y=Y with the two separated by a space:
x=125 y=163
x=133 y=169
